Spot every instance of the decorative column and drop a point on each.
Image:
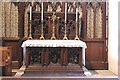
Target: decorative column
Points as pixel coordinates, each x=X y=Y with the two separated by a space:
x=30 y=33
x=53 y=30
x=65 y=35
x=76 y=37
x=42 y=37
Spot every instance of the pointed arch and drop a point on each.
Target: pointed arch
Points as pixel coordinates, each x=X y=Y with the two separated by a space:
x=98 y=23
x=90 y=21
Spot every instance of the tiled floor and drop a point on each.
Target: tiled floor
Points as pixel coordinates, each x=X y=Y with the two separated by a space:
x=20 y=71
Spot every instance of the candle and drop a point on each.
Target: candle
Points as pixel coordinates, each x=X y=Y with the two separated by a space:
x=42 y=12
x=76 y=14
x=30 y=12
x=80 y=26
x=65 y=11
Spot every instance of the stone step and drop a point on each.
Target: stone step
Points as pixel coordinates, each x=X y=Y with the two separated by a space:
x=54 y=69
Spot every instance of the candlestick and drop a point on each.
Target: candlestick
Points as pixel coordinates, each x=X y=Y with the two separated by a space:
x=42 y=12
x=42 y=37
x=65 y=11
x=76 y=38
x=80 y=27
x=30 y=32
x=30 y=12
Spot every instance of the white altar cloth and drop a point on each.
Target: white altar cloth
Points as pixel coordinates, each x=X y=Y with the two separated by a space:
x=54 y=43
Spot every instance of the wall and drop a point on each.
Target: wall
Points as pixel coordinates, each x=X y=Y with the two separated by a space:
x=113 y=37
x=119 y=39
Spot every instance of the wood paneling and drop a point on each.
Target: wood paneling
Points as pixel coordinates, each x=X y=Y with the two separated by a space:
x=95 y=55
x=5 y=62
x=60 y=55
x=16 y=51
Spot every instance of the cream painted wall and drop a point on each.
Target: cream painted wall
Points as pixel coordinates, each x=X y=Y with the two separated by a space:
x=119 y=40
x=113 y=36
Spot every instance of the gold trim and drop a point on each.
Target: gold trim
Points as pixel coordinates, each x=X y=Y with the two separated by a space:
x=76 y=37
x=65 y=35
x=42 y=37
x=30 y=33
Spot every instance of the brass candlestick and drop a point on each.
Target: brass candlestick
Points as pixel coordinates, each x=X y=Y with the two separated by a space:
x=30 y=33
x=53 y=30
x=65 y=35
x=76 y=37
x=42 y=37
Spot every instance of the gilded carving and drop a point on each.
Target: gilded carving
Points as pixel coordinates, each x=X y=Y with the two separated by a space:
x=49 y=7
x=37 y=7
x=80 y=10
x=90 y=22
x=9 y=20
x=58 y=7
x=98 y=24
x=14 y=20
x=26 y=21
x=71 y=7
x=1 y=20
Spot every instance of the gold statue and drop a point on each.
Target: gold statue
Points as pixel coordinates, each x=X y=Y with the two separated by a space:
x=58 y=5
x=49 y=8
x=70 y=7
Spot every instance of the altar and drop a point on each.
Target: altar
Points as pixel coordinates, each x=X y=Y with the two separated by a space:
x=60 y=52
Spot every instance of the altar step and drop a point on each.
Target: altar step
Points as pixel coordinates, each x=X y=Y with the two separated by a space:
x=54 y=69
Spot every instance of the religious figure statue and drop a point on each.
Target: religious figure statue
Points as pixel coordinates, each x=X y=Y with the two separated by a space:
x=37 y=7
x=49 y=7
x=70 y=7
x=58 y=6
x=80 y=10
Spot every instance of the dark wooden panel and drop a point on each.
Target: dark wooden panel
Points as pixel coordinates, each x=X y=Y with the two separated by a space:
x=95 y=55
x=16 y=51
x=5 y=63
x=27 y=57
x=13 y=46
x=60 y=55
x=21 y=19
x=64 y=56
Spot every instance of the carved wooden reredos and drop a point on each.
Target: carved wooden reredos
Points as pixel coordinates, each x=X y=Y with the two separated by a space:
x=16 y=20
x=92 y=26
x=53 y=25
